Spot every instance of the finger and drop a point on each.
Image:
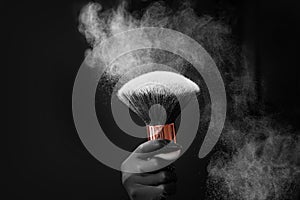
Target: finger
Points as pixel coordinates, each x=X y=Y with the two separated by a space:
x=140 y=161
x=151 y=165
x=151 y=146
x=159 y=178
x=169 y=156
x=146 y=192
x=169 y=188
x=134 y=165
x=169 y=151
x=154 y=164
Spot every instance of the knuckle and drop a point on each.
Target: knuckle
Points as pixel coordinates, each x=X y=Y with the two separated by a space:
x=162 y=187
x=163 y=176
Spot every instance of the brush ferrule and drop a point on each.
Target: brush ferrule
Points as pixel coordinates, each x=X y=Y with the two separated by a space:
x=166 y=132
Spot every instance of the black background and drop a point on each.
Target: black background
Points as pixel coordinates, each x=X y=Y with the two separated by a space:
x=46 y=159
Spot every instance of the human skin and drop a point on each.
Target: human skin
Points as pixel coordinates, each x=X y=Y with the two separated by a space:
x=156 y=184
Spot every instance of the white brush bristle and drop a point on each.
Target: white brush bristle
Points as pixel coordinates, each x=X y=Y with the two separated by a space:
x=159 y=87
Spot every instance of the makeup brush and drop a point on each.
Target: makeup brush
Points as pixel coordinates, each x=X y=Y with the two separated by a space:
x=155 y=98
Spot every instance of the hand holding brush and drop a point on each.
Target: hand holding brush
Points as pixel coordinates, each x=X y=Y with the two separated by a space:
x=157 y=98
x=156 y=184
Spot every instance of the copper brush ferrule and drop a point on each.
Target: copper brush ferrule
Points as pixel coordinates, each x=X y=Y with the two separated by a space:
x=166 y=132
x=148 y=93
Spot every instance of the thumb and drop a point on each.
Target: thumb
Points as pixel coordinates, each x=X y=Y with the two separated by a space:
x=151 y=146
x=158 y=148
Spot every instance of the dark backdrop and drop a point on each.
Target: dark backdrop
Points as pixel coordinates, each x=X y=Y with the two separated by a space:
x=45 y=157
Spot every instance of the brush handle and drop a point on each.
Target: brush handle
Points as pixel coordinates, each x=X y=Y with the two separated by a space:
x=166 y=132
